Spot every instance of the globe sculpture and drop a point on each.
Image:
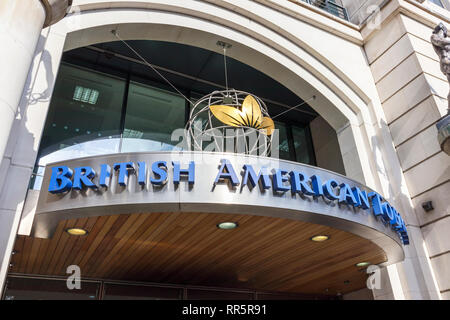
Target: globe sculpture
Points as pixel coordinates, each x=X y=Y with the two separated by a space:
x=230 y=121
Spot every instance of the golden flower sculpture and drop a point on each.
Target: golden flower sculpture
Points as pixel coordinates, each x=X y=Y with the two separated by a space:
x=247 y=115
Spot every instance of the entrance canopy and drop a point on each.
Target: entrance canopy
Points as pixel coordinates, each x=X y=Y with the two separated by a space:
x=154 y=217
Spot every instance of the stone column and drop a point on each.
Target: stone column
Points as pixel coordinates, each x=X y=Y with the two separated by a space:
x=21 y=23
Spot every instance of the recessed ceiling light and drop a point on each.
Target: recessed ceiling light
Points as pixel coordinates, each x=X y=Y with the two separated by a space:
x=320 y=238
x=227 y=225
x=362 y=264
x=76 y=231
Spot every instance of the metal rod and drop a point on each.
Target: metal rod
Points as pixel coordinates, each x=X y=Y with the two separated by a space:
x=118 y=55
x=299 y=105
x=225 y=65
x=114 y=32
x=123 y=113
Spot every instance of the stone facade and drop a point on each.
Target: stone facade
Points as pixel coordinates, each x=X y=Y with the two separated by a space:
x=413 y=93
x=21 y=24
x=378 y=86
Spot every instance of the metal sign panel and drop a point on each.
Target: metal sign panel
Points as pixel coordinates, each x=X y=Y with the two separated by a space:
x=217 y=183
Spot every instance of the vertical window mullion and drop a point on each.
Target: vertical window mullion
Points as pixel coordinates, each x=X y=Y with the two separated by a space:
x=187 y=111
x=124 y=110
x=310 y=144
x=290 y=137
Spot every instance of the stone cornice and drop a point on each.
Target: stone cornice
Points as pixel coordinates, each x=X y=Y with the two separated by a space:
x=317 y=17
x=409 y=8
x=55 y=10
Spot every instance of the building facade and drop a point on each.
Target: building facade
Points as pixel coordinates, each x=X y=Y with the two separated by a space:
x=354 y=89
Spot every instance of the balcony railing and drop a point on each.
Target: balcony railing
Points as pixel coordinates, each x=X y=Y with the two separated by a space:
x=330 y=6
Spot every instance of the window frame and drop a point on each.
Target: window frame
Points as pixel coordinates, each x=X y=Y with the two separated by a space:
x=128 y=77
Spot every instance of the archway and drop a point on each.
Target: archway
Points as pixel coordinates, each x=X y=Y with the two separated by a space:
x=339 y=101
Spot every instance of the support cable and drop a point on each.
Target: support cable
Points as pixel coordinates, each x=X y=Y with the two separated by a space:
x=114 y=32
x=296 y=106
x=224 y=46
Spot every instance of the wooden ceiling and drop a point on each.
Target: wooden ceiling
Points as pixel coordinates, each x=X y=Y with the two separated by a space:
x=263 y=253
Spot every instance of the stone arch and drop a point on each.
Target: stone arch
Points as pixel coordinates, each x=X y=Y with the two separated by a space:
x=342 y=102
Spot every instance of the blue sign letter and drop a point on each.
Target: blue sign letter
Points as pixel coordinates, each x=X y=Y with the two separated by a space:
x=299 y=183
x=249 y=174
x=346 y=195
x=159 y=169
x=123 y=171
x=83 y=176
x=60 y=179
x=177 y=172
x=105 y=175
x=328 y=189
x=278 y=179
x=316 y=184
x=376 y=203
x=142 y=173
x=226 y=171
x=362 y=199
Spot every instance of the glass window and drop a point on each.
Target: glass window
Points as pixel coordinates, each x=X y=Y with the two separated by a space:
x=88 y=116
x=201 y=294
x=283 y=141
x=152 y=115
x=290 y=296
x=44 y=289
x=437 y=2
x=37 y=178
x=84 y=115
x=137 y=292
x=204 y=141
x=302 y=145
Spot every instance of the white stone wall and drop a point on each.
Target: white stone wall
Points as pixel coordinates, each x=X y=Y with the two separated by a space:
x=20 y=27
x=367 y=102
x=413 y=92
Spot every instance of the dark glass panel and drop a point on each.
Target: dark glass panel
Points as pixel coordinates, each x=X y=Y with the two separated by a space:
x=137 y=292
x=291 y=296
x=84 y=115
x=282 y=142
x=200 y=294
x=43 y=289
x=152 y=115
x=302 y=145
